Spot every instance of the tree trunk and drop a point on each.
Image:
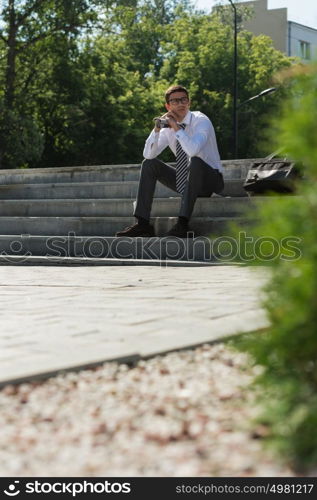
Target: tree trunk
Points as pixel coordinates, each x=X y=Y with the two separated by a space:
x=11 y=57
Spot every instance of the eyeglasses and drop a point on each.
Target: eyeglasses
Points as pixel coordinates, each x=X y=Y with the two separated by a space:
x=176 y=100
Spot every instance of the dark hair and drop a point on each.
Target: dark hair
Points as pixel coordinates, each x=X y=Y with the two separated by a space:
x=175 y=88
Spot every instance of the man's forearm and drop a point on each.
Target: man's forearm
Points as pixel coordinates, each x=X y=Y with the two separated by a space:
x=191 y=145
x=154 y=145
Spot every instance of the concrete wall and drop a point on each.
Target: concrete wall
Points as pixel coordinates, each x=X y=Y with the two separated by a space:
x=288 y=37
x=272 y=23
x=297 y=34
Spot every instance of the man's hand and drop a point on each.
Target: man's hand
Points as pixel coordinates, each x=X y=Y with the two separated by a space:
x=172 y=120
x=156 y=128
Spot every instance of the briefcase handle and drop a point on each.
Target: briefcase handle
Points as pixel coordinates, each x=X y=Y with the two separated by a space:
x=271 y=156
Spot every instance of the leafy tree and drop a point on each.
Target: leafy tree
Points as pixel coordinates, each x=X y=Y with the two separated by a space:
x=139 y=26
x=25 y=24
x=23 y=141
x=90 y=75
x=105 y=107
x=103 y=120
x=199 y=53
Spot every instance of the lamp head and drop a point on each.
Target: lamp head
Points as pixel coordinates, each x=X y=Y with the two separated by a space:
x=267 y=91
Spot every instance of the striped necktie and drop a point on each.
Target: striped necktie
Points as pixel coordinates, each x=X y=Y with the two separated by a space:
x=181 y=166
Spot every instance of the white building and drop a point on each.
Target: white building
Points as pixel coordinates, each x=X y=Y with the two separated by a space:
x=292 y=38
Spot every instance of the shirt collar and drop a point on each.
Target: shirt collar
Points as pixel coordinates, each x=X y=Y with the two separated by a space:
x=187 y=118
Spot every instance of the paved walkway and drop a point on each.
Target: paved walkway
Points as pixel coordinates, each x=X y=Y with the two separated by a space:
x=56 y=318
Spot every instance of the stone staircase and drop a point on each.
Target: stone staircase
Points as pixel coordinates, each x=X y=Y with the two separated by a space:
x=73 y=212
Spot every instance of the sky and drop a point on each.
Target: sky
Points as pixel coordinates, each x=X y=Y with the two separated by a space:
x=300 y=11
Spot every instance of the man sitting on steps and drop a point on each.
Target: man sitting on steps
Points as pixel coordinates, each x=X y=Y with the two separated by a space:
x=198 y=173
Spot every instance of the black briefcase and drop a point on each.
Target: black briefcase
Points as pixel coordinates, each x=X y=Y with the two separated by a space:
x=272 y=175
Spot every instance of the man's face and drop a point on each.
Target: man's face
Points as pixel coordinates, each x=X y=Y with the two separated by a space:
x=178 y=104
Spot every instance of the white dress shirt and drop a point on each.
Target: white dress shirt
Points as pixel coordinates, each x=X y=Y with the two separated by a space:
x=198 y=139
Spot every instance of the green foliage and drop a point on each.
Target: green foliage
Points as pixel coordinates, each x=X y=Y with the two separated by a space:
x=288 y=349
x=24 y=142
x=92 y=74
x=198 y=51
x=27 y=29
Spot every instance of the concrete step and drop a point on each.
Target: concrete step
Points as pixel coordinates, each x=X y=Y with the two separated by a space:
x=40 y=260
x=96 y=190
x=22 y=249
x=102 y=226
x=164 y=207
x=74 y=212
x=233 y=169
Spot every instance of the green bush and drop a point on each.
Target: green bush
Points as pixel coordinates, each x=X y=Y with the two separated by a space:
x=21 y=141
x=287 y=350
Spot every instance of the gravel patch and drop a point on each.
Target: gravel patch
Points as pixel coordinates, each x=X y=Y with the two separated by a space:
x=183 y=414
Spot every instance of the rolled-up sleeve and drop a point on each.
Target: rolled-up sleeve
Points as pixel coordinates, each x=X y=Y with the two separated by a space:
x=193 y=145
x=155 y=144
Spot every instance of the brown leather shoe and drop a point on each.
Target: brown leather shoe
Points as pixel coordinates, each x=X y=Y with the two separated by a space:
x=137 y=230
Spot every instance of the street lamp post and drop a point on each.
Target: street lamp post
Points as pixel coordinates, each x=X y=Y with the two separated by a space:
x=235 y=86
x=261 y=94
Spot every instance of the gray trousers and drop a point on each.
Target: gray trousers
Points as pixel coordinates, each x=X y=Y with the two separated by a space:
x=202 y=181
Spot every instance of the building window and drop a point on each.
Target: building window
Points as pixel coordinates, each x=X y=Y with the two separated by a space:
x=304 y=50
